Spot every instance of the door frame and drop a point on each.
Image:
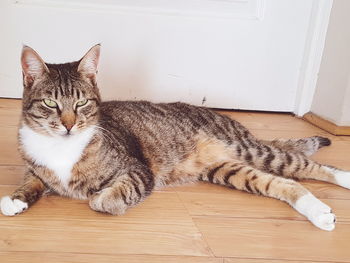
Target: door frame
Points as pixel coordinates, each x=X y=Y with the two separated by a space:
x=313 y=51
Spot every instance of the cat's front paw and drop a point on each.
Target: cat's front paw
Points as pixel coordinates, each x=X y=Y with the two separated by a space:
x=11 y=207
x=107 y=201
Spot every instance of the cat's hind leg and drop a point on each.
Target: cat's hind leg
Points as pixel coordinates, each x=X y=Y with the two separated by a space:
x=240 y=176
x=293 y=165
x=306 y=146
x=126 y=191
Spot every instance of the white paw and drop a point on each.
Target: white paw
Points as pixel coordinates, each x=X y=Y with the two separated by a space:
x=316 y=211
x=322 y=217
x=341 y=177
x=11 y=207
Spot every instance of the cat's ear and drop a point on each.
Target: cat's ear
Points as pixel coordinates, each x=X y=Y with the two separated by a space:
x=88 y=64
x=33 y=67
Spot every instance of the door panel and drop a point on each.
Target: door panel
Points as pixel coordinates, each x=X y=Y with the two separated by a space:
x=237 y=54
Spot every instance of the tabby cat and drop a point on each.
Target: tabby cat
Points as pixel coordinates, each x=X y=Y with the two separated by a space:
x=115 y=153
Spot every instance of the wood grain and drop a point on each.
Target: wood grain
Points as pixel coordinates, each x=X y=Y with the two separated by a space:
x=255 y=260
x=100 y=258
x=274 y=239
x=14 y=174
x=196 y=223
x=230 y=205
x=8 y=143
x=155 y=227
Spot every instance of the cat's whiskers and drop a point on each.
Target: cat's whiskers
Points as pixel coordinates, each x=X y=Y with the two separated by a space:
x=103 y=130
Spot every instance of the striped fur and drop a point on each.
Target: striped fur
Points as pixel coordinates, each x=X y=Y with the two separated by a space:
x=140 y=146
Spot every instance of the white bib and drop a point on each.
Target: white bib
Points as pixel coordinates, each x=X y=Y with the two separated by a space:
x=59 y=154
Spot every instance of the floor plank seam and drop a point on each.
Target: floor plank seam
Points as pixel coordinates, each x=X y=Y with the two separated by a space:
x=198 y=229
x=261 y=219
x=19 y=165
x=94 y=220
x=286 y=260
x=110 y=254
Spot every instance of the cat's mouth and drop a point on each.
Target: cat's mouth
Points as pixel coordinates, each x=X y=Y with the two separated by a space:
x=70 y=133
x=66 y=134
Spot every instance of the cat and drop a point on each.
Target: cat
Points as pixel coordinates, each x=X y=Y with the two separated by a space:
x=115 y=153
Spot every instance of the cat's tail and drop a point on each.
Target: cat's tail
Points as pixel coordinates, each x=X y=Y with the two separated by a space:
x=306 y=146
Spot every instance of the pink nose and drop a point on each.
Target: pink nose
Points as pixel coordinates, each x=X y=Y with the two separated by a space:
x=68 y=126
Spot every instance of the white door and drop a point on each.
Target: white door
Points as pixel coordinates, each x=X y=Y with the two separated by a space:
x=237 y=54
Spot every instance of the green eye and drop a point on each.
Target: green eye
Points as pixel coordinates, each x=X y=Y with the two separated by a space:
x=81 y=102
x=50 y=103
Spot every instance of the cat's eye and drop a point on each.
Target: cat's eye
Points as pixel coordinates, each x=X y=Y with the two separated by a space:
x=50 y=103
x=81 y=102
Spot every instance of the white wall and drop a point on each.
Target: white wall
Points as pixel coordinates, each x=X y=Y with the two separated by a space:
x=332 y=96
x=345 y=118
x=235 y=54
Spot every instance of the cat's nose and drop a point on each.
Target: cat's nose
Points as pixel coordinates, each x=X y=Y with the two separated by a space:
x=68 y=120
x=68 y=126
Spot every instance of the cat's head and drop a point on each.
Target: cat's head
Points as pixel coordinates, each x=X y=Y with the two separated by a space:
x=60 y=99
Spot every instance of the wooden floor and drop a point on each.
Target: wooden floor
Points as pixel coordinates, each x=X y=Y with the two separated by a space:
x=198 y=223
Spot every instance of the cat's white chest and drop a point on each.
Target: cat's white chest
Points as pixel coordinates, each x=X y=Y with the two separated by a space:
x=59 y=154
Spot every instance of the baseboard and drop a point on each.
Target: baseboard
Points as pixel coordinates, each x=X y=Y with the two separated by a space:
x=326 y=125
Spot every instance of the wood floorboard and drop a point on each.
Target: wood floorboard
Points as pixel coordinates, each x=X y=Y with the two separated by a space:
x=57 y=224
x=255 y=260
x=11 y=174
x=231 y=205
x=274 y=239
x=196 y=223
x=100 y=258
x=154 y=210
